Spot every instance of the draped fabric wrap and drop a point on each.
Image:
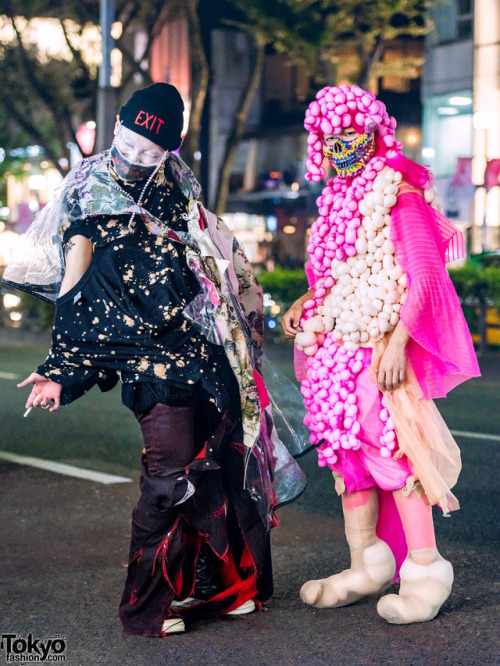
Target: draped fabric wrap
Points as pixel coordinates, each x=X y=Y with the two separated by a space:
x=423 y=437
x=229 y=312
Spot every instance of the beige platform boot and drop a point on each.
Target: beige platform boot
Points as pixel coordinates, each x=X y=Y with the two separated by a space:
x=423 y=590
x=372 y=563
x=426 y=577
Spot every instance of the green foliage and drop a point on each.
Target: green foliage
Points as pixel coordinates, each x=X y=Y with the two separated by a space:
x=478 y=288
x=37 y=315
x=336 y=39
x=472 y=281
x=45 y=97
x=477 y=284
x=38 y=95
x=284 y=286
x=474 y=284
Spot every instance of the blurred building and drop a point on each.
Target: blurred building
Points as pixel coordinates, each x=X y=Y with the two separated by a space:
x=270 y=206
x=461 y=125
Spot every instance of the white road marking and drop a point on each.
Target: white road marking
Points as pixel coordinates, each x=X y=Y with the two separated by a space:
x=61 y=468
x=475 y=435
x=8 y=375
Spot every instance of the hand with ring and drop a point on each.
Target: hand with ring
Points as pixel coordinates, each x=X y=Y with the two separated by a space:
x=44 y=391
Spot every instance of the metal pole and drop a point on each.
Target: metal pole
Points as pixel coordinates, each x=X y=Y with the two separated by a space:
x=105 y=92
x=484 y=230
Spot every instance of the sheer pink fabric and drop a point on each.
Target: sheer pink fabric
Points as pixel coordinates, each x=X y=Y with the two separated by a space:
x=311 y=276
x=423 y=437
x=365 y=467
x=440 y=347
x=415 y=174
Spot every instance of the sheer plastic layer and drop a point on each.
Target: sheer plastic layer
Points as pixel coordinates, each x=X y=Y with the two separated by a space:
x=38 y=265
x=288 y=409
x=272 y=477
x=87 y=190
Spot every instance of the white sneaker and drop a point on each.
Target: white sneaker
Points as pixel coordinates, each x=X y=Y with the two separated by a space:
x=247 y=607
x=174 y=625
x=188 y=602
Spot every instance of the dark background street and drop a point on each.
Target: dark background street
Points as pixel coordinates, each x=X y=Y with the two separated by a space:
x=64 y=544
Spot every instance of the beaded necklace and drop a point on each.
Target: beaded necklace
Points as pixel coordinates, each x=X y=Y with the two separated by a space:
x=159 y=170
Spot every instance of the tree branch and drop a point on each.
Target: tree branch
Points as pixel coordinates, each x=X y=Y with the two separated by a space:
x=238 y=127
x=32 y=131
x=200 y=76
x=74 y=52
x=369 y=58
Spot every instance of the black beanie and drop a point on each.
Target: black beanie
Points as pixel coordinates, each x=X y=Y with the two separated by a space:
x=156 y=113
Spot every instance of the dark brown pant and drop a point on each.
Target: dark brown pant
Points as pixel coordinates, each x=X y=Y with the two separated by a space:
x=169 y=530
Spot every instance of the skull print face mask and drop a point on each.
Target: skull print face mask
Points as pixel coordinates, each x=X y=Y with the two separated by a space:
x=348 y=158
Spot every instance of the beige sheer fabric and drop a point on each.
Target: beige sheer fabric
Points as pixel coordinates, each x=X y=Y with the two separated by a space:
x=423 y=436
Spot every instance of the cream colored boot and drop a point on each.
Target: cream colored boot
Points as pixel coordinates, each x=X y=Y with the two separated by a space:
x=423 y=590
x=372 y=563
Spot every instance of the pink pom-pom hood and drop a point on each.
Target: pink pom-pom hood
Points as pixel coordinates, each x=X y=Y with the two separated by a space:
x=338 y=107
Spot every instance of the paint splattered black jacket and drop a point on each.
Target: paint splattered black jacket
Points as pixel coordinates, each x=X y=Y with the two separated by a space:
x=126 y=312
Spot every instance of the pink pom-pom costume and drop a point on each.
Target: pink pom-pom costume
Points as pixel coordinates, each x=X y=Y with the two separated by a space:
x=377 y=262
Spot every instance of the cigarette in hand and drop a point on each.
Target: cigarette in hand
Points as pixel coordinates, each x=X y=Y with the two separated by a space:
x=35 y=401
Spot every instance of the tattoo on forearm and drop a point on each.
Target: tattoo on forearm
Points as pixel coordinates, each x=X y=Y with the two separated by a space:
x=70 y=244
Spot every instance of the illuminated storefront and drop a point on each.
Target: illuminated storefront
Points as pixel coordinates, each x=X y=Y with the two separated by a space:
x=461 y=126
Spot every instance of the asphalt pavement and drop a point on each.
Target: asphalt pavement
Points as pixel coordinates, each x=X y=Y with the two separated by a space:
x=63 y=550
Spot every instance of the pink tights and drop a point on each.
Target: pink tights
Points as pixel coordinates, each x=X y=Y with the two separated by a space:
x=416 y=517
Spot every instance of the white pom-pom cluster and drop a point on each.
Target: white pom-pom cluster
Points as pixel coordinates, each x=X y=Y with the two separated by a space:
x=370 y=287
x=432 y=197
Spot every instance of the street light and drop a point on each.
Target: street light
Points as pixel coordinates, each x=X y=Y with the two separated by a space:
x=36 y=183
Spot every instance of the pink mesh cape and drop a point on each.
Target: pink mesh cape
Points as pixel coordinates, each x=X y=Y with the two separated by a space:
x=440 y=347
